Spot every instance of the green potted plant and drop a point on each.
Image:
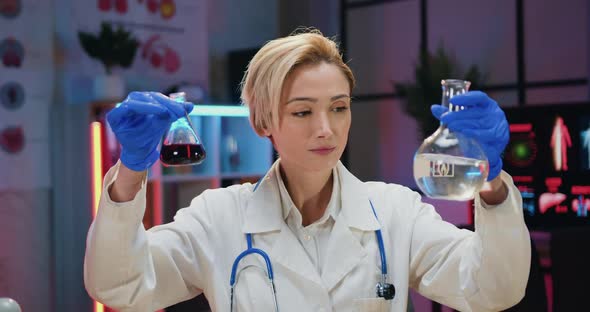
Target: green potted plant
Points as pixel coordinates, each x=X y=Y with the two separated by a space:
x=113 y=48
x=420 y=94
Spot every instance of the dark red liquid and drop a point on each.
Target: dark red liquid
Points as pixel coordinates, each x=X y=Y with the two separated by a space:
x=182 y=154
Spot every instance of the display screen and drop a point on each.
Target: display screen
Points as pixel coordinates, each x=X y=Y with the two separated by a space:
x=549 y=159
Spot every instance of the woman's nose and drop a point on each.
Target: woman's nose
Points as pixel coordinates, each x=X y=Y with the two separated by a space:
x=323 y=126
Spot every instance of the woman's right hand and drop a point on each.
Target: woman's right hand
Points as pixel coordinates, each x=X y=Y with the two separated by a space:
x=140 y=122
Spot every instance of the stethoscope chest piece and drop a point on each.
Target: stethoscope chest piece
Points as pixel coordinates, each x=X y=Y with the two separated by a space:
x=385 y=291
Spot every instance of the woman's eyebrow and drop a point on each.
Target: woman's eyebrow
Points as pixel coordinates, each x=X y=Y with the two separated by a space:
x=314 y=100
x=308 y=99
x=340 y=96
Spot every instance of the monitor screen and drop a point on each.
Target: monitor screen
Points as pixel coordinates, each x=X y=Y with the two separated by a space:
x=549 y=159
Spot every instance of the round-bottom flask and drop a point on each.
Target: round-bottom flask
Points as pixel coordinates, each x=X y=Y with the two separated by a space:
x=449 y=165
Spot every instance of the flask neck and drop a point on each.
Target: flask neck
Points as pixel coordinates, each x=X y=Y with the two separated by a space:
x=451 y=88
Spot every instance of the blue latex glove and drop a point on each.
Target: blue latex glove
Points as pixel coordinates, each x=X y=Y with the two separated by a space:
x=139 y=124
x=483 y=120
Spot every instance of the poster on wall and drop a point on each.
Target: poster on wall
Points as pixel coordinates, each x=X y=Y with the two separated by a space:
x=25 y=97
x=26 y=92
x=152 y=44
x=548 y=157
x=25 y=44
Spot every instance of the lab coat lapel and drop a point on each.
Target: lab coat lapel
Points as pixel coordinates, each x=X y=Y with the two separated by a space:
x=344 y=250
x=262 y=212
x=288 y=252
x=263 y=215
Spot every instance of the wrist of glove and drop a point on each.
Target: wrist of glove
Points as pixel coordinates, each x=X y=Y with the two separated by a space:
x=139 y=124
x=483 y=120
x=135 y=163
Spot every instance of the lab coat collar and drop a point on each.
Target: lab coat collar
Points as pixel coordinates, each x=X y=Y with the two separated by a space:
x=263 y=211
x=356 y=208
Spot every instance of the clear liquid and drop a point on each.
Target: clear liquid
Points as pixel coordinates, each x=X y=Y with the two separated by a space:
x=449 y=177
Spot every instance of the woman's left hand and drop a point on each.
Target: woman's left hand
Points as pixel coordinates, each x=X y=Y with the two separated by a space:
x=483 y=120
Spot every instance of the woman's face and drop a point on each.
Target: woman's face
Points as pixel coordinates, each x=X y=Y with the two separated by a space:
x=314 y=118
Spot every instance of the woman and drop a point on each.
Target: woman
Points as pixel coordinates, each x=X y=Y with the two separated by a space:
x=316 y=221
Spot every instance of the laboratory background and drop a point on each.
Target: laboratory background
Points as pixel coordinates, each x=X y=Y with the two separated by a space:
x=64 y=64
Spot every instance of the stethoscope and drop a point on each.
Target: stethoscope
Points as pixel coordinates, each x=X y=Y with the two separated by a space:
x=383 y=289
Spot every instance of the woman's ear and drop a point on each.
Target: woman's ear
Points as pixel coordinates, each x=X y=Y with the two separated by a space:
x=260 y=131
x=263 y=132
x=266 y=133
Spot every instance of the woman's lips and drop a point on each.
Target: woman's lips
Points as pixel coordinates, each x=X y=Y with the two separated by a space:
x=323 y=151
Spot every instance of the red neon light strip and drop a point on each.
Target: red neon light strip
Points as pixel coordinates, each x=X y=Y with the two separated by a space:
x=96 y=175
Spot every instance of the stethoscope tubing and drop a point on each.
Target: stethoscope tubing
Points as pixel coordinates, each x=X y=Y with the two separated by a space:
x=247 y=252
x=380 y=243
x=270 y=274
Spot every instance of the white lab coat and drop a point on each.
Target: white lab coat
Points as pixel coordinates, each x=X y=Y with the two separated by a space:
x=131 y=269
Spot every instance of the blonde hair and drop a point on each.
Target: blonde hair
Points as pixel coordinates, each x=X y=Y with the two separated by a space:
x=264 y=78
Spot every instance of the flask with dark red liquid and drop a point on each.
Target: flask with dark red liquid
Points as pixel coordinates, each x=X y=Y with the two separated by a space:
x=181 y=146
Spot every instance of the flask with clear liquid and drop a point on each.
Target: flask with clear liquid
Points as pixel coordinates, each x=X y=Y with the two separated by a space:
x=181 y=146
x=449 y=165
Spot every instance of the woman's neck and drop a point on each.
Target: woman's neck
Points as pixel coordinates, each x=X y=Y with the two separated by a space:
x=310 y=191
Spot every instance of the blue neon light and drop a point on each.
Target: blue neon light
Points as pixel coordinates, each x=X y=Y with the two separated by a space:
x=220 y=110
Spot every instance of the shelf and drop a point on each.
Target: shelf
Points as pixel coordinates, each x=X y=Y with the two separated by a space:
x=186 y=178
x=173 y=178
x=224 y=139
x=239 y=175
x=235 y=154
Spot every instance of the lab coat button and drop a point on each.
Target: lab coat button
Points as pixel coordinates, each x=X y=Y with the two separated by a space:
x=307 y=237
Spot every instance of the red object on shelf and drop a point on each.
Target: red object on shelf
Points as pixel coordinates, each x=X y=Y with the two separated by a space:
x=9 y=7
x=104 y=5
x=121 y=6
x=156 y=60
x=152 y=5
x=10 y=58
x=171 y=60
x=12 y=139
x=12 y=52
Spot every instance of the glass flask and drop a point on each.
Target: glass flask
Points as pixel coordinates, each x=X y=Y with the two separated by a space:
x=449 y=165
x=181 y=146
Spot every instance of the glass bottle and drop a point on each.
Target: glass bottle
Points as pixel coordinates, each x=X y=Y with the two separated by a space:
x=449 y=165
x=181 y=146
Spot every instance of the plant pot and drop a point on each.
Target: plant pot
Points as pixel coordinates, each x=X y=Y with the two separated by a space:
x=109 y=88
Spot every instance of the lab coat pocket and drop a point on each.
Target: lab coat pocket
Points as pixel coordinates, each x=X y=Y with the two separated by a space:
x=371 y=305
